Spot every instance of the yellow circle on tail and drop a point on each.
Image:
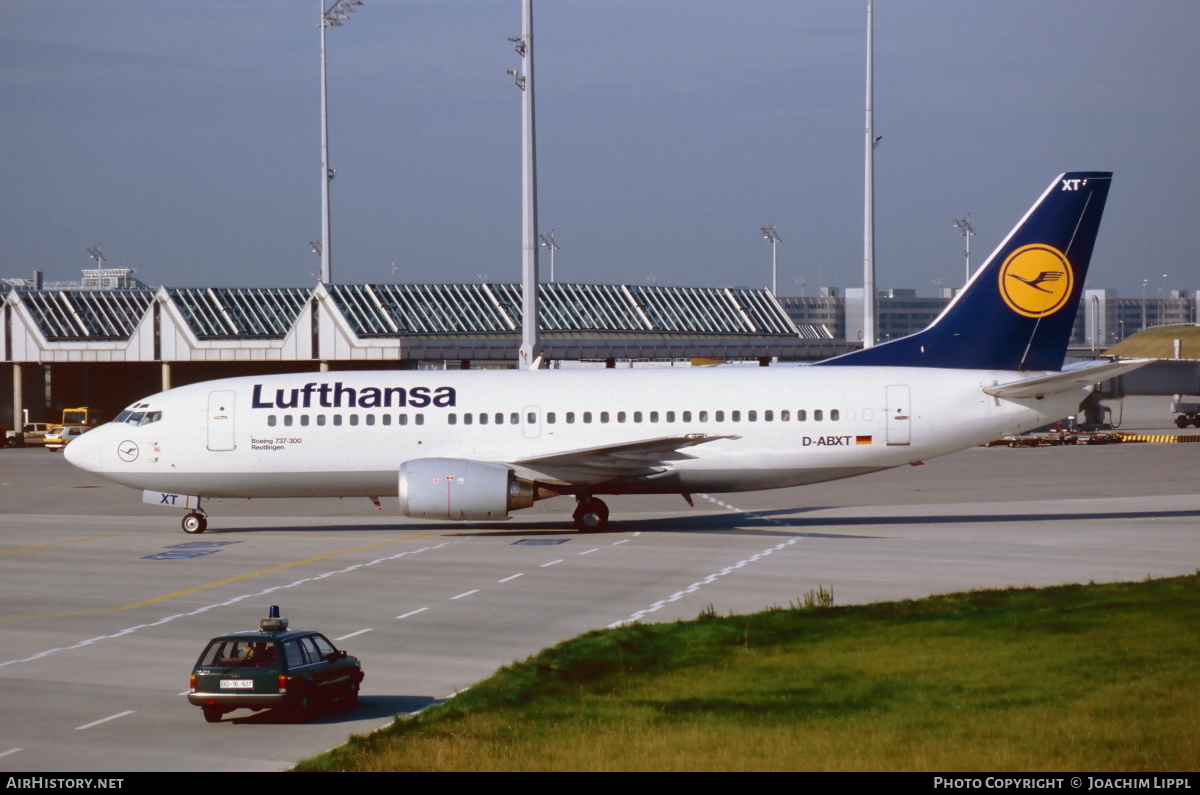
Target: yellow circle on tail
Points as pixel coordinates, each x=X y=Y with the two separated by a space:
x=1036 y=280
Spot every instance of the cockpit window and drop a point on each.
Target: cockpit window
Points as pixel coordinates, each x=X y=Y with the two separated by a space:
x=136 y=418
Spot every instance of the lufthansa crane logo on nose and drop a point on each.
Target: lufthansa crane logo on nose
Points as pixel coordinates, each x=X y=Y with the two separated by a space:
x=128 y=451
x=1036 y=280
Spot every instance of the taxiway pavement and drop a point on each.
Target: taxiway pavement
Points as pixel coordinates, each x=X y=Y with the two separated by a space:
x=105 y=603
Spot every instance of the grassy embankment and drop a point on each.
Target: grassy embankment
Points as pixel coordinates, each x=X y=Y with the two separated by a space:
x=1097 y=677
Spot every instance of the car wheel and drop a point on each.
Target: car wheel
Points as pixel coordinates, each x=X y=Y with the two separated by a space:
x=213 y=714
x=302 y=709
x=350 y=699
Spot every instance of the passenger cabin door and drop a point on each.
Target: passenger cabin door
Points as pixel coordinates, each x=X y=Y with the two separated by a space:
x=898 y=413
x=220 y=420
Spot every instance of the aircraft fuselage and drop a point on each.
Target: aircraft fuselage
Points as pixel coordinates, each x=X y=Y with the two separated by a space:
x=347 y=433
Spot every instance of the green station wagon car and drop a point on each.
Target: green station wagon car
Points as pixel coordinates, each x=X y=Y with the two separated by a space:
x=273 y=667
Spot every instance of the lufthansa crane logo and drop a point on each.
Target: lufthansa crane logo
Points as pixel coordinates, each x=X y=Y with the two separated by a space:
x=1036 y=280
x=128 y=451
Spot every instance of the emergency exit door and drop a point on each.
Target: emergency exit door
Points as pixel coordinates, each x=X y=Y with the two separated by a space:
x=899 y=424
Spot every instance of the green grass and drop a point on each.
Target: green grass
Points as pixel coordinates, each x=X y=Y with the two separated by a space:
x=1096 y=677
x=1159 y=343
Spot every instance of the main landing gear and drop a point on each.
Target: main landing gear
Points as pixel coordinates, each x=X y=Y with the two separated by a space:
x=195 y=523
x=591 y=515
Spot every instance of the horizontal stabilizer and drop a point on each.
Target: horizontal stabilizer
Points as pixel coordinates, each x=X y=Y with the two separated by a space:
x=1074 y=378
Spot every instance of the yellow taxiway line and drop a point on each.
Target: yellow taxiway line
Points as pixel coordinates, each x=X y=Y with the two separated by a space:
x=56 y=543
x=211 y=584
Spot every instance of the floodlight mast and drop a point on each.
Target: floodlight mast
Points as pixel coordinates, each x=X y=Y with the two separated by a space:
x=1144 y=283
x=549 y=243
x=772 y=237
x=330 y=18
x=964 y=224
x=869 y=197
x=528 y=356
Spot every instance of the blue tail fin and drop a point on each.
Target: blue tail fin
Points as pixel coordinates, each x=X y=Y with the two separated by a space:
x=1017 y=311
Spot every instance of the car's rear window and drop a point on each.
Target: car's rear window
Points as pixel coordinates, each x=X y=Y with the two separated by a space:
x=241 y=653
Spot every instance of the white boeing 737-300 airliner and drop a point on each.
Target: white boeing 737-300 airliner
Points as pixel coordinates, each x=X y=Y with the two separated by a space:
x=462 y=445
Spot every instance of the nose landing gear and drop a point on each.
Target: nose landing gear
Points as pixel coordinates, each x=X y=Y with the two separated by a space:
x=195 y=523
x=591 y=515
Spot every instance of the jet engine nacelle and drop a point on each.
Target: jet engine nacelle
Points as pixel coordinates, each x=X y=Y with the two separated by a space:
x=460 y=489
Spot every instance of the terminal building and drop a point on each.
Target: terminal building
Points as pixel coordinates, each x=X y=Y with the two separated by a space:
x=108 y=339
x=1103 y=319
x=106 y=345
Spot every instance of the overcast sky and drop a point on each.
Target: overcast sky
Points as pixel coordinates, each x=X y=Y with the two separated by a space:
x=184 y=137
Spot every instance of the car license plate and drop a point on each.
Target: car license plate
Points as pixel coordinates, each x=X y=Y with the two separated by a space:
x=237 y=684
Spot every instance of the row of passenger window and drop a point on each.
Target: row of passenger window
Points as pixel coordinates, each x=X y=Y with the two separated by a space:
x=570 y=417
x=552 y=418
x=349 y=419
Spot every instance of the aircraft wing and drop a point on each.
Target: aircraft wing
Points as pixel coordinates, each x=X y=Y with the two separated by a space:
x=1071 y=378
x=618 y=461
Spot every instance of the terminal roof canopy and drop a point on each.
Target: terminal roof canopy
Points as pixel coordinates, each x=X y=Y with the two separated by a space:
x=223 y=312
x=392 y=309
x=80 y=315
x=375 y=310
x=404 y=322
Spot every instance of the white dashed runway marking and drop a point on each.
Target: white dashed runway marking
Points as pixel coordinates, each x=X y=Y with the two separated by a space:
x=675 y=597
x=104 y=720
x=226 y=603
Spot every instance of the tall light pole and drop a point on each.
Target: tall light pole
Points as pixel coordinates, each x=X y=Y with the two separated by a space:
x=869 y=195
x=1144 y=283
x=549 y=243
x=772 y=237
x=95 y=253
x=530 y=338
x=964 y=224
x=331 y=17
x=1162 y=305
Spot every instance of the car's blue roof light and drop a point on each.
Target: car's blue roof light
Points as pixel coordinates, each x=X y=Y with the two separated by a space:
x=273 y=623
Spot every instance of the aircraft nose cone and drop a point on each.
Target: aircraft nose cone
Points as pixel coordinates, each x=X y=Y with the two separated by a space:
x=84 y=452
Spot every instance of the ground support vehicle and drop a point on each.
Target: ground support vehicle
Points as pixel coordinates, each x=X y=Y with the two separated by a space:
x=60 y=436
x=1098 y=437
x=1189 y=414
x=1055 y=438
x=273 y=667
x=81 y=416
x=1023 y=440
x=31 y=434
